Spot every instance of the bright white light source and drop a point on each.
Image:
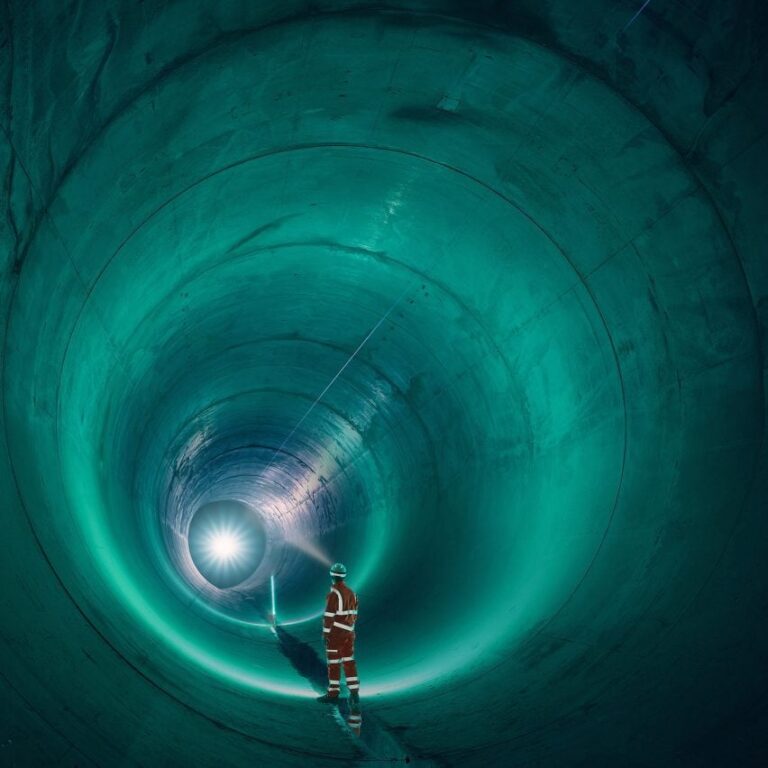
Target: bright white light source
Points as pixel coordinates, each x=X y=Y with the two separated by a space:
x=225 y=546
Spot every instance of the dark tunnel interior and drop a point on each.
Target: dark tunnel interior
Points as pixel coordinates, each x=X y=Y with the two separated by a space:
x=470 y=296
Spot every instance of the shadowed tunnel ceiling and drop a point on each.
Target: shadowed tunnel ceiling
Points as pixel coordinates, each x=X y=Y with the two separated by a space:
x=469 y=296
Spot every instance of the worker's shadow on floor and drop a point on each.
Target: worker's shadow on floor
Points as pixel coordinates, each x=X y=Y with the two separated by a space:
x=304 y=659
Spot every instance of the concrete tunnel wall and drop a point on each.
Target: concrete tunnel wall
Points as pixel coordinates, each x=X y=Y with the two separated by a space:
x=545 y=468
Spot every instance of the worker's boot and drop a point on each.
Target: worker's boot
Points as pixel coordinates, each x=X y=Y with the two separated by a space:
x=329 y=698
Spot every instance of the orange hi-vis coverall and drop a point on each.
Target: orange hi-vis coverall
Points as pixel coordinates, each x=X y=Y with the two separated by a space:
x=339 y=633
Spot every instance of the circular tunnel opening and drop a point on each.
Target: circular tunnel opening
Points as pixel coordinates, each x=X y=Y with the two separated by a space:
x=435 y=315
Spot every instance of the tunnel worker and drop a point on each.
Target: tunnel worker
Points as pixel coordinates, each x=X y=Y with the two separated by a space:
x=339 y=634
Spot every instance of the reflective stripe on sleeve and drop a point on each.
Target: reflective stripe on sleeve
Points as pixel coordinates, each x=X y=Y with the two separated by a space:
x=343 y=626
x=326 y=629
x=330 y=615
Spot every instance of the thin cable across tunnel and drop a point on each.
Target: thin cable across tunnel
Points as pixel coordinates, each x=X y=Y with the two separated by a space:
x=469 y=298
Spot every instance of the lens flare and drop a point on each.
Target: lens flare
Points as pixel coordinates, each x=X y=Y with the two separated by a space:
x=225 y=547
x=226 y=542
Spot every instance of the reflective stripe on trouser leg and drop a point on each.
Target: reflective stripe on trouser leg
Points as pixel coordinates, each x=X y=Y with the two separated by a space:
x=343 y=644
x=334 y=679
x=334 y=670
x=350 y=672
